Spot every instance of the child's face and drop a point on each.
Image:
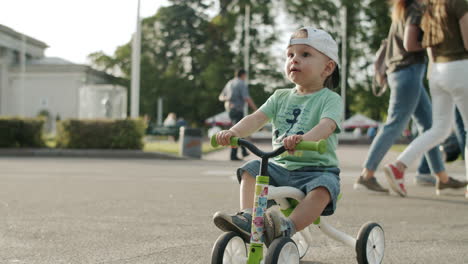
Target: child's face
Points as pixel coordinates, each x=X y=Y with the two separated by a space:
x=306 y=66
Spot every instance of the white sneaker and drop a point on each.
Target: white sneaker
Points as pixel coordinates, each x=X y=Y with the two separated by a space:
x=425 y=180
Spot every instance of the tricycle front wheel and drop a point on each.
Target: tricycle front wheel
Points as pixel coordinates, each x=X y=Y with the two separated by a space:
x=282 y=251
x=229 y=248
x=370 y=244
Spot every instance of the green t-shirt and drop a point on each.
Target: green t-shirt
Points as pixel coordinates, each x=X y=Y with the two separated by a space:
x=294 y=114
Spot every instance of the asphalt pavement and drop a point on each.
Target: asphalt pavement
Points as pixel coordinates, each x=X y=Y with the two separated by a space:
x=120 y=210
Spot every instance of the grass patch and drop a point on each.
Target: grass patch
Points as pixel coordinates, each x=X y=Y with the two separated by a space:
x=158 y=145
x=173 y=147
x=398 y=147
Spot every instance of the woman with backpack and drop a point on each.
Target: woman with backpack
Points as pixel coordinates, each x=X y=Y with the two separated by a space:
x=445 y=27
x=406 y=64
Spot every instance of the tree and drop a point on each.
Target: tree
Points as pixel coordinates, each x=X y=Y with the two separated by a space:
x=187 y=61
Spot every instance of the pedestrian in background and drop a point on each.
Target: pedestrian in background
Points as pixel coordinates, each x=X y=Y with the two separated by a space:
x=406 y=63
x=445 y=26
x=234 y=95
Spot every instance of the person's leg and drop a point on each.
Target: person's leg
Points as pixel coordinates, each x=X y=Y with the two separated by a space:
x=247 y=191
x=404 y=97
x=460 y=132
x=306 y=212
x=235 y=117
x=241 y=222
x=442 y=113
x=424 y=176
x=423 y=119
x=310 y=208
x=455 y=80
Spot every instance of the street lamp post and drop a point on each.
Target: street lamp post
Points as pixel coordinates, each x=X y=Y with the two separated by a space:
x=344 y=63
x=135 y=82
x=246 y=48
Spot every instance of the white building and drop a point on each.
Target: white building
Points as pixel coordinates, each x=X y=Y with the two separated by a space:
x=51 y=84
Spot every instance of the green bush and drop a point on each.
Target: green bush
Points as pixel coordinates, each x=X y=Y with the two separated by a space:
x=21 y=132
x=100 y=134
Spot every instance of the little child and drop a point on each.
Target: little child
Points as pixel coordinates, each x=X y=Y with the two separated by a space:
x=310 y=111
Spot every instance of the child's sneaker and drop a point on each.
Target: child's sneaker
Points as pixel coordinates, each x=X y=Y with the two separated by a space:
x=277 y=225
x=369 y=185
x=396 y=179
x=239 y=223
x=452 y=186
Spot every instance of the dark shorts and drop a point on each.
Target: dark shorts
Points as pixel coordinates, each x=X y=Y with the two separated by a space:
x=235 y=115
x=305 y=179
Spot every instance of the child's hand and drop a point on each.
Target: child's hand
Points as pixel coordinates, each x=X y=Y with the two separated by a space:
x=290 y=143
x=224 y=137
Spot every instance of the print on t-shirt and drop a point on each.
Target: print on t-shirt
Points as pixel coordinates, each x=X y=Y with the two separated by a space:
x=296 y=112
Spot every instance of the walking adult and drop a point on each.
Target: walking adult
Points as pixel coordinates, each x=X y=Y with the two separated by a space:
x=445 y=26
x=235 y=94
x=406 y=63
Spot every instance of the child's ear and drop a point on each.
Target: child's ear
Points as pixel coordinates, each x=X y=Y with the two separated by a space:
x=329 y=68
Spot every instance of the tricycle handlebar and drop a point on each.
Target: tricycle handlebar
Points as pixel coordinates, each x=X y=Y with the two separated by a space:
x=319 y=146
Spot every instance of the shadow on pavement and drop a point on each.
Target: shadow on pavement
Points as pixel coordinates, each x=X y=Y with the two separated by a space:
x=440 y=200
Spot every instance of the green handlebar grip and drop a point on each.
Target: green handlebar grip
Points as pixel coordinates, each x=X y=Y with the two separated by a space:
x=320 y=146
x=215 y=144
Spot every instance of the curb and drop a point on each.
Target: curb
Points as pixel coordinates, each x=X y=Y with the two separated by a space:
x=86 y=153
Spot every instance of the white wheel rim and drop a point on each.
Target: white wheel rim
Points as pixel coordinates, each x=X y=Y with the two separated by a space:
x=235 y=252
x=302 y=245
x=289 y=254
x=375 y=246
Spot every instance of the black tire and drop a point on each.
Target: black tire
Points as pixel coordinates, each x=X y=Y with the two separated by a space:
x=375 y=252
x=450 y=148
x=274 y=254
x=219 y=248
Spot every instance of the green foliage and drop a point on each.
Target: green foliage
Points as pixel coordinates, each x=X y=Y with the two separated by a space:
x=100 y=134
x=21 y=133
x=188 y=61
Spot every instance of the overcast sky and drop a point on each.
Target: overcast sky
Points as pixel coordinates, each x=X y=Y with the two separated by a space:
x=75 y=28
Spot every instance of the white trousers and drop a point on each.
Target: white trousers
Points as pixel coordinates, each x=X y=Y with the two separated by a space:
x=448 y=83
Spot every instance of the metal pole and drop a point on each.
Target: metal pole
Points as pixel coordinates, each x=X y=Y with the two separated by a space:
x=135 y=82
x=344 y=62
x=22 y=75
x=159 y=114
x=246 y=48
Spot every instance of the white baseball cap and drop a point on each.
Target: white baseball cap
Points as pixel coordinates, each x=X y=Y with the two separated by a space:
x=319 y=40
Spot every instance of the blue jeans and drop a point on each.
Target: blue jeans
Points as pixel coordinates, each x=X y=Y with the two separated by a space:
x=408 y=99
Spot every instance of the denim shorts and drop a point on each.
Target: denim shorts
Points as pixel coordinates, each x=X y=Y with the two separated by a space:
x=305 y=179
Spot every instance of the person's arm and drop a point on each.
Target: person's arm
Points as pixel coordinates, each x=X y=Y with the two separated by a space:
x=250 y=124
x=322 y=130
x=411 y=41
x=243 y=128
x=251 y=103
x=464 y=29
